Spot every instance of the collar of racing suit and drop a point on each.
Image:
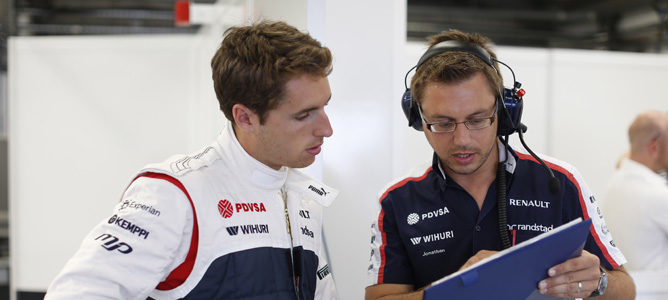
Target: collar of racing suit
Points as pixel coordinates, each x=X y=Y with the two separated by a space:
x=265 y=177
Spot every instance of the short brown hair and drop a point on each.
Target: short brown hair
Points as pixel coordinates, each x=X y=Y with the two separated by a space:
x=254 y=62
x=456 y=66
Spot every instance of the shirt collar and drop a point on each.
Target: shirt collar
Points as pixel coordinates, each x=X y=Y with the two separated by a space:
x=259 y=173
x=639 y=169
x=510 y=164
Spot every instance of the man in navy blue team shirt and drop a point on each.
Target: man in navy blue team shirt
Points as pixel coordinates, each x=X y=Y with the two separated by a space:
x=444 y=216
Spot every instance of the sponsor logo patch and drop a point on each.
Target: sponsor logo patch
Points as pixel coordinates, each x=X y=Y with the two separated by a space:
x=112 y=243
x=225 y=208
x=530 y=227
x=604 y=229
x=127 y=225
x=433 y=237
x=307 y=232
x=131 y=204
x=323 y=272
x=250 y=207
x=319 y=191
x=233 y=230
x=414 y=218
x=248 y=229
x=305 y=214
x=529 y=203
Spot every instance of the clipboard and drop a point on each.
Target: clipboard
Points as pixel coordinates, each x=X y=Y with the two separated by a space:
x=514 y=273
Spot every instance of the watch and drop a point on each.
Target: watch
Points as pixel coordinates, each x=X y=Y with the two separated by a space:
x=602 y=284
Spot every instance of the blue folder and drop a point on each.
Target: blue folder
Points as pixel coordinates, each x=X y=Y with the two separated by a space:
x=514 y=273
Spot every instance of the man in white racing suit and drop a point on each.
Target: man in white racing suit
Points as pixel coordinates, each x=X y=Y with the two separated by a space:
x=235 y=220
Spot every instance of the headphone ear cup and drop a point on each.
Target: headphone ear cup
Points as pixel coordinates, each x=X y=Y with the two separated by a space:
x=411 y=110
x=510 y=112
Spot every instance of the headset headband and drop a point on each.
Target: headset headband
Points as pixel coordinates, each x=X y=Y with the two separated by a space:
x=454 y=45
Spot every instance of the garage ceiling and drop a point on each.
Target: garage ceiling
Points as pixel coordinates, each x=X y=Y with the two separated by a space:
x=627 y=25
x=624 y=25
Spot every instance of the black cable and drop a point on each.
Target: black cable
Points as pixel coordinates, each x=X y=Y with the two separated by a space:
x=553 y=183
x=501 y=199
x=406 y=76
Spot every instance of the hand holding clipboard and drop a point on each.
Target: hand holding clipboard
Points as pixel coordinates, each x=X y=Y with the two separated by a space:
x=514 y=273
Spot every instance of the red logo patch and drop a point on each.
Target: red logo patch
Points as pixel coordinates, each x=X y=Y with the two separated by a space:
x=246 y=207
x=225 y=208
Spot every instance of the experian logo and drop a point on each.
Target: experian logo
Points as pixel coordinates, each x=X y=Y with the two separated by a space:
x=140 y=206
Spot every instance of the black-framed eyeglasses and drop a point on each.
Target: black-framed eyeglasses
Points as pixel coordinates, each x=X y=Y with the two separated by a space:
x=472 y=124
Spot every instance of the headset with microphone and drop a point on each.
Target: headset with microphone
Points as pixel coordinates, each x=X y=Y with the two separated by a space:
x=509 y=104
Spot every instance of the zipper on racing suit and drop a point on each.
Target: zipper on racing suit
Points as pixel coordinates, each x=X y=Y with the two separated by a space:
x=295 y=278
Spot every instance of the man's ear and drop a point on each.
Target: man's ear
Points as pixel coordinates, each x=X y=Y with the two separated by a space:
x=244 y=118
x=653 y=146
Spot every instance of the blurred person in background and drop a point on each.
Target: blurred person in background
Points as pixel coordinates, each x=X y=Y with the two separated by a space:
x=636 y=200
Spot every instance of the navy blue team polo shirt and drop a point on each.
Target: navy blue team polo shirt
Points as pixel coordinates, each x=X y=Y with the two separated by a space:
x=428 y=226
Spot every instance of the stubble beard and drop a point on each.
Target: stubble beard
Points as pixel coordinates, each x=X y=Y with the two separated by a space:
x=482 y=162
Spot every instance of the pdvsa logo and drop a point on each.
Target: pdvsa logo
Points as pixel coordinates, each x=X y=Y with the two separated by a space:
x=414 y=217
x=226 y=208
x=248 y=207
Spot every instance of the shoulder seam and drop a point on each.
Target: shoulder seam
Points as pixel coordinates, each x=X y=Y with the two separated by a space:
x=404 y=181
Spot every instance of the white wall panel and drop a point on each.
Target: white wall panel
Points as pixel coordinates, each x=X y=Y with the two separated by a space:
x=367 y=40
x=531 y=70
x=85 y=114
x=595 y=95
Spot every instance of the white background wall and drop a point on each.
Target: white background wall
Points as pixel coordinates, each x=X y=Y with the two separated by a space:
x=594 y=98
x=87 y=112
x=368 y=55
